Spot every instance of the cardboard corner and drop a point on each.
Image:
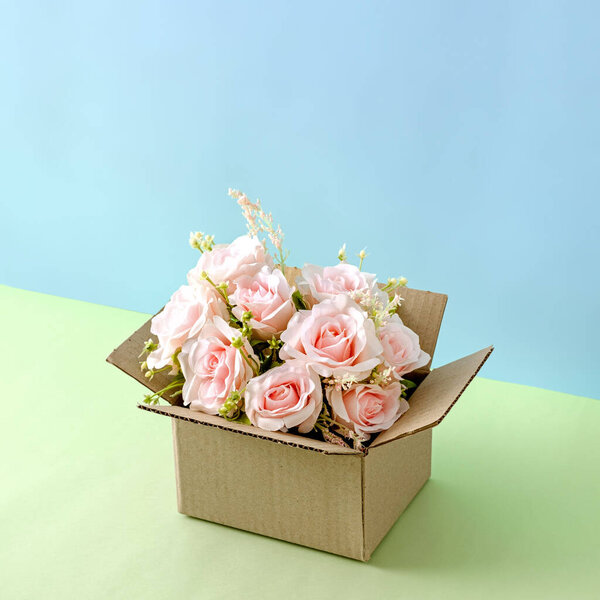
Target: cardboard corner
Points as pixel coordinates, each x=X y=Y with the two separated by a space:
x=435 y=396
x=393 y=474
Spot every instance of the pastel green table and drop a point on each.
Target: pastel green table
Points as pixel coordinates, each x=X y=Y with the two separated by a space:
x=87 y=499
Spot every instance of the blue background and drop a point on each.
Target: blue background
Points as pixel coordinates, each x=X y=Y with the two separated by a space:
x=458 y=141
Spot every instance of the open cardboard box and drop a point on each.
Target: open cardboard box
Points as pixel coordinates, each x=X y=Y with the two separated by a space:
x=304 y=490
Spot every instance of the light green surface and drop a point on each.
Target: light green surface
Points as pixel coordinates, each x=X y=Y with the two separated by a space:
x=87 y=500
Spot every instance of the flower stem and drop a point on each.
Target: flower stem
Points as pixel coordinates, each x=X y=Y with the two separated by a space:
x=249 y=361
x=153 y=398
x=362 y=255
x=219 y=289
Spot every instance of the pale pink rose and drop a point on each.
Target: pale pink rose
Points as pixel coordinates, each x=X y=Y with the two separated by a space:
x=285 y=397
x=182 y=318
x=335 y=337
x=212 y=367
x=227 y=262
x=268 y=296
x=321 y=283
x=367 y=408
x=401 y=349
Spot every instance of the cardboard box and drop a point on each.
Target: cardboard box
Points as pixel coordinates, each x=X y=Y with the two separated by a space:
x=305 y=490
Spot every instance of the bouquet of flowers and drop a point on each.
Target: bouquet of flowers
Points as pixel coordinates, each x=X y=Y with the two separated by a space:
x=319 y=350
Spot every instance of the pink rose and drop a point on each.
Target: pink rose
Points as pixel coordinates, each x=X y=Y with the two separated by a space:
x=401 y=349
x=212 y=367
x=321 y=283
x=183 y=317
x=226 y=262
x=367 y=408
x=335 y=337
x=268 y=296
x=285 y=397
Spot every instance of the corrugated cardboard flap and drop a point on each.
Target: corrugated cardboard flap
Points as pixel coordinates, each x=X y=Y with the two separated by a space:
x=300 y=441
x=423 y=312
x=127 y=358
x=435 y=396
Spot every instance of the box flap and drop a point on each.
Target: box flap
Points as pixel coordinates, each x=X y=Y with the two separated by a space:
x=435 y=396
x=422 y=312
x=300 y=441
x=127 y=358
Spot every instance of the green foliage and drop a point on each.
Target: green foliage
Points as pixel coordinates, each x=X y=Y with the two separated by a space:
x=299 y=301
x=233 y=406
x=149 y=346
x=172 y=390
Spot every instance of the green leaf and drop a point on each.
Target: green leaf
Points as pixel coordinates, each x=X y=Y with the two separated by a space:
x=243 y=418
x=299 y=301
x=233 y=322
x=259 y=345
x=267 y=363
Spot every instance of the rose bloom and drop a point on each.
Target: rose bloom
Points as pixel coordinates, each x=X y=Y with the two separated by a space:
x=226 y=262
x=336 y=337
x=367 y=408
x=321 y=283
x=401 y=349
x=268 y=296
x=182 y=318
x=285 y=397
x=212 y=367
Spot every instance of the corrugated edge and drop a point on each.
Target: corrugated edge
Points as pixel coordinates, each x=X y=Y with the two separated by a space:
x=176 y=461
x=363 y=550
x=281 y=438
x=440 y=419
